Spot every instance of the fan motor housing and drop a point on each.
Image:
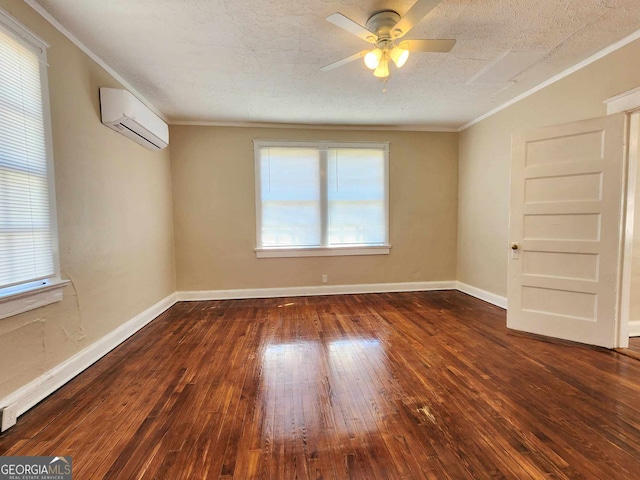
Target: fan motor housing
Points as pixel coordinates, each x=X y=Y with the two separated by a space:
x=382 y=22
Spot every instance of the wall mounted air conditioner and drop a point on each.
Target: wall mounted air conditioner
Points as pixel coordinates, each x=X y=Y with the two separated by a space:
x=127 y=115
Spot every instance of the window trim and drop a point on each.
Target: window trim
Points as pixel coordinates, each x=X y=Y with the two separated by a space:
x=323 y=250
x=30 y=295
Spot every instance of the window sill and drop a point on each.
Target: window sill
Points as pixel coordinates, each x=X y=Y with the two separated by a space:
x=20 y=302
x=279 y=252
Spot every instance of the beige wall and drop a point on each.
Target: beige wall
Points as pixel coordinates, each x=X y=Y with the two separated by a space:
x=114 y=215
x=214 y=211
x=485 y=150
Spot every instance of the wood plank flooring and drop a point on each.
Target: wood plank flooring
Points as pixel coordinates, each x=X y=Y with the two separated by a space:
x=391 y=386
x=634 y=344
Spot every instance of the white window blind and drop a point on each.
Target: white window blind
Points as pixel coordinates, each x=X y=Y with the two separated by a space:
x=356 y=196
x=290 y=185
x=26 y=249
x=321 y=196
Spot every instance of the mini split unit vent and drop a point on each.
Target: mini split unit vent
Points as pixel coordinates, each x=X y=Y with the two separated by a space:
x=127 y=115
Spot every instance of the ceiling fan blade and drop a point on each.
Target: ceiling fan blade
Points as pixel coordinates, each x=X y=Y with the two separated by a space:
x=350 y=26
x=416 y=13
x=344 y=61
x=442 y=46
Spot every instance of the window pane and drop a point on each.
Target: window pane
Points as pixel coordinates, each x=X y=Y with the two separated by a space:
x=26 y=247
x=356 y=197
x=290 y=193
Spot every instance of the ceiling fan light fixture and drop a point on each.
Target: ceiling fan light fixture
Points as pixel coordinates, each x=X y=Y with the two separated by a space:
x=382 y=70
x=372 y=59
x=399 y=56
x=384 y=30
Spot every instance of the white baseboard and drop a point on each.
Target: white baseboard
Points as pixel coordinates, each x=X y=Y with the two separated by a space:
x=634 y=328
x=488 y=297
x=43 y=386
x=200 y=295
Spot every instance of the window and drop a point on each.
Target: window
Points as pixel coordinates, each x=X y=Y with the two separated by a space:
x=29 y=272
x=321 y=199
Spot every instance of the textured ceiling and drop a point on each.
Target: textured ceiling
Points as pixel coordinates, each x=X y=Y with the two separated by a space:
x=259 y=60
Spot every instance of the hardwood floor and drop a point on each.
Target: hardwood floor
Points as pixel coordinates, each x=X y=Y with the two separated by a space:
x=402 y=385
x=634 y=344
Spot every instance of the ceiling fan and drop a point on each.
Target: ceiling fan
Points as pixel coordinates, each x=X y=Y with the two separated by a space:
x=384 y=30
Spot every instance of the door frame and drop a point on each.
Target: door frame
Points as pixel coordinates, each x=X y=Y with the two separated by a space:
x=631 y=187
x=629 y=103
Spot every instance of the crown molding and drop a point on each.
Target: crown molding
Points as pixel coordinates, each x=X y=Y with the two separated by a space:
x=58 y=26
x=311 y=126
x=578 y=66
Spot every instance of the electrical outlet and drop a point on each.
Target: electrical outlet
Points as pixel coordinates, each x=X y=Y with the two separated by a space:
x=9 y=416
x=325 y=278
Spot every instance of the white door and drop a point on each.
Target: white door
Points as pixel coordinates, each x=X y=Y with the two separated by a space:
x=565 y=230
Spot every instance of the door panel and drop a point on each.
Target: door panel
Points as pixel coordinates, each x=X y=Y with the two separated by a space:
x=566 y=220
x=575 y=187
x=561 y=265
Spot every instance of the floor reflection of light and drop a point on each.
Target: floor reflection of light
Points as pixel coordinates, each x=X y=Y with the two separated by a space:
x=358 y=372
x=353 y=352
x=309 y=386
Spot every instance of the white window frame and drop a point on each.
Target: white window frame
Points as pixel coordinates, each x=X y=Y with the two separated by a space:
x=27 y=296
x=321 y=251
